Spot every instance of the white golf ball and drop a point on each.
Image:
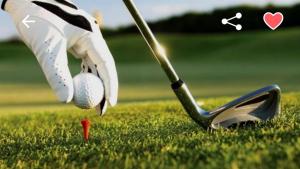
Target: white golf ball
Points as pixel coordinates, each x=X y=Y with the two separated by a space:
x=88 y=90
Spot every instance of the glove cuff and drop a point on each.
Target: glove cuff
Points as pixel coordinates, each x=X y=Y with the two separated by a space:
x=3 y=4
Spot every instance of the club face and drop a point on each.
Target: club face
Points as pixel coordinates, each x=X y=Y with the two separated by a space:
x=261 y=105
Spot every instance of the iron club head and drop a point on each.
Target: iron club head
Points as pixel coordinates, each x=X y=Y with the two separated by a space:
x=260 y=105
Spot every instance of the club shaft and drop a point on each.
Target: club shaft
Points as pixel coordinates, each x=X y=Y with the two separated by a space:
x=180 y=89
x=152 y=41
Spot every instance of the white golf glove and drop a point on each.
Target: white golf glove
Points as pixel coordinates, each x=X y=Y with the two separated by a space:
x=60 y=27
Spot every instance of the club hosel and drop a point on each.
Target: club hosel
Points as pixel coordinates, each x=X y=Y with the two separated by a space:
x=182 y=92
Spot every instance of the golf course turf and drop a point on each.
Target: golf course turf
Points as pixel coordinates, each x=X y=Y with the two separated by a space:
x=147 y=135
x=149 y=128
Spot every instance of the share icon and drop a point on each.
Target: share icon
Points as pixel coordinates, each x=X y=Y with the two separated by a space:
x=238 y=27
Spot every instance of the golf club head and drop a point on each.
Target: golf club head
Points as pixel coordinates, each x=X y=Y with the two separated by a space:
x=260 y=105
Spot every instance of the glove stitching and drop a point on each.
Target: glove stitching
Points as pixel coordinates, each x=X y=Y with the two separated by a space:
x=62 y=81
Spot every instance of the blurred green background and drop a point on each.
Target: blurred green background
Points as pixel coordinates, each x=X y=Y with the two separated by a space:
x=227 y=64
x=214 y=59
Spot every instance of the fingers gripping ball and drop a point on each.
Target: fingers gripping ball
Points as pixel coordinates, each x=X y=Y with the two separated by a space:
x=88 y=90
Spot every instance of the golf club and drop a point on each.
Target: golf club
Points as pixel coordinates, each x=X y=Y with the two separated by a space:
x=260 y=105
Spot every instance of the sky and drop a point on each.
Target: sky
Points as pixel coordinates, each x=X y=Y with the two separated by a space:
x=115 y=13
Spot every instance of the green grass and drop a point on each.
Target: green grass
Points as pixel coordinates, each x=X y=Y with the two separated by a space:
x=147 y=135
x=148 y=128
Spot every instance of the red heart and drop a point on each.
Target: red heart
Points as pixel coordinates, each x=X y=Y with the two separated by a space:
x=273 y=20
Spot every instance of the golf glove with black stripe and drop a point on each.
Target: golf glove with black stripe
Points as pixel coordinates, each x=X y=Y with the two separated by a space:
x=60 y=27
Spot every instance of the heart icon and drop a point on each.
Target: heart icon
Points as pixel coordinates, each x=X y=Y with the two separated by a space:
x=273 y=21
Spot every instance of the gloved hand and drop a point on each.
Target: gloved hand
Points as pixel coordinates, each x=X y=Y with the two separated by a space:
x=60 y=27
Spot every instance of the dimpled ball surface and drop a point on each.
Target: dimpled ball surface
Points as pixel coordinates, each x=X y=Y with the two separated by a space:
x=88 y=90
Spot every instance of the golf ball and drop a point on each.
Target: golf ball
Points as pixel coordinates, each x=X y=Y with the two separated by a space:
x=88 y=90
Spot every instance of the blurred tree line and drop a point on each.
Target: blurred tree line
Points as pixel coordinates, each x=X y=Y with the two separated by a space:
x=211 y=22
x=193 y=22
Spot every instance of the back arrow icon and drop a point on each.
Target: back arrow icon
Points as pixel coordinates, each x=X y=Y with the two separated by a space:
x=26 y=21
